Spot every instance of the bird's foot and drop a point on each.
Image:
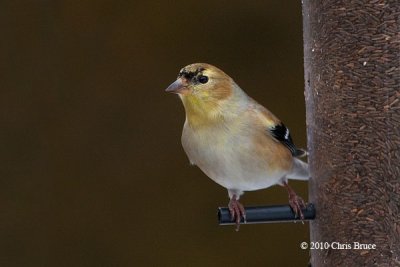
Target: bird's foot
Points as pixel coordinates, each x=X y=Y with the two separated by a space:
x=237 y=211
x=295 y=202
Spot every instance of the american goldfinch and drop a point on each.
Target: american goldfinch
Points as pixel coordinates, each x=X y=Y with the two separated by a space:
x=234 y=140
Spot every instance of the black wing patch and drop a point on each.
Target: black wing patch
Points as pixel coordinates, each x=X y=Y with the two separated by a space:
x=282 y=134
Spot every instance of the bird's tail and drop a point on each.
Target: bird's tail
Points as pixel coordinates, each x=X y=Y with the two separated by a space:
x=300 y=170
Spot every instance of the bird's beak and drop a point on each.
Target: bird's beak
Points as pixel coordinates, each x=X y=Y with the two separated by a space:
x=178 y=87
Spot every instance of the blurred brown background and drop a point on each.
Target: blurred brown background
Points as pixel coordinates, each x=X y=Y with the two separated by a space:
x=92 y=169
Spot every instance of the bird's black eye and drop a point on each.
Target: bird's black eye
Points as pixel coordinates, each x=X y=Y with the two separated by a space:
x=202 y=79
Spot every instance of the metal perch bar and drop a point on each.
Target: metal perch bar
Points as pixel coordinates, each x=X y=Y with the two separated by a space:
x=266 y=214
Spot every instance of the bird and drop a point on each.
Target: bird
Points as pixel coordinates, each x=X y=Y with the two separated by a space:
x=234 y=140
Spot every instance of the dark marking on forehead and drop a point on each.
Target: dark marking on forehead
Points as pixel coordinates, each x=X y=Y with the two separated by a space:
x=190 y=73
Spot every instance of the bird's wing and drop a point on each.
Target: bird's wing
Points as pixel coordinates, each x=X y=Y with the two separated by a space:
x=277 y=130
x=281 y=133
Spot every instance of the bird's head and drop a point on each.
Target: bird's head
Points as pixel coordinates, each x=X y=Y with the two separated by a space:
x=205 y=91
x=202 y=81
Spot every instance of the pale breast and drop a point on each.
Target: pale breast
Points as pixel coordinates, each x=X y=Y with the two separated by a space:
x=230 y=157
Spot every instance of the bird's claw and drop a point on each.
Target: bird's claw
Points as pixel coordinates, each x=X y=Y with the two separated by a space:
x=297 y=204
x=237 y=211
